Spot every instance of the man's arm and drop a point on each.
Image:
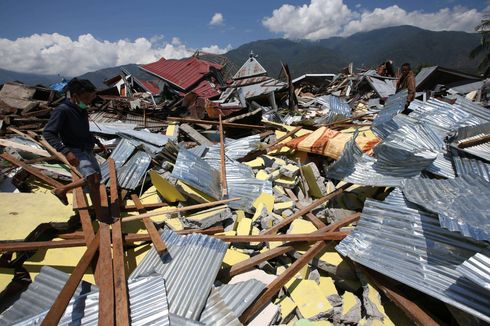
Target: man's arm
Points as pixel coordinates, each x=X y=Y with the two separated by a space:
x=52 y=129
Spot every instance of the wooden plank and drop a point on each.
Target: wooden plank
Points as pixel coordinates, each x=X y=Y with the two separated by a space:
x=106 y=277
x=83 y=212
x=59 y=306
x=216 y=123
x=306 y=209
x=413 y=311
x=474 y=141
x=277 y=143
x=131 y=208
x=195 y=135
x=179 y=210
x=60 y=156
x=314 y=236
x=273 y=288
x=157 y=241
x=25 y=148
x=120 y=281
x=224 y=185
x=31 y=170
x=313 y=219
x=253 y=261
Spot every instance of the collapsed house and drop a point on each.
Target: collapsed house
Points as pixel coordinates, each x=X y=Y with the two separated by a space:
x=250 y=200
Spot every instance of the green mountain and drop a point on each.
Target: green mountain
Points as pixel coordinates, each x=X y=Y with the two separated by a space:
x=366 y=49
x=26 y=78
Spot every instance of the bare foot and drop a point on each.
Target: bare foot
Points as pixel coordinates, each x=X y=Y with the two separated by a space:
x=61 y=196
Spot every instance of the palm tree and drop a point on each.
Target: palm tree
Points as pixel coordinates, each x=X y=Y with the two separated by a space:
x=484 y=47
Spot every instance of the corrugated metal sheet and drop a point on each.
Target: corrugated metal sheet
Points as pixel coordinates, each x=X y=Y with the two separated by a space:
x=442 y=115
x=356 y=167
x=130 y=175
x=110 y=128
x=423 y=74
x=189 y=268
x=251 y=68
x=477 y=269
x=394 y=105
x=40 y=295
x=334 y=108
x=474 y=132
x=150 y=86
x=239 y=296
x=176 y=320
x=462 y=203
x=473 y=108
x=120 y=155
x=182 y=73
x=197 y=173
x=217 y=313
x=206 y=89
x=263 y=88
x=156 y=139
x=384 y=87
x=147 y=304
x=236 y=148
x=464 y=166
x=409 y=246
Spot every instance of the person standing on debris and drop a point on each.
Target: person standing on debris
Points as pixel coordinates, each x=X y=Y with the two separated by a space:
x=68 y=132
x=406 y=81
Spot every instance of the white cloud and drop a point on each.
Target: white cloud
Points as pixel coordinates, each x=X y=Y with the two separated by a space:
x=217 y=19
x=216 y=49
x=59 y=54
x=325 y=18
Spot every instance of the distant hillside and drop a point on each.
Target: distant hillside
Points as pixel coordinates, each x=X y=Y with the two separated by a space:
x=97 y=77
x=26 y=78
x=300 y=56
x=366 y=49
x=400 y=44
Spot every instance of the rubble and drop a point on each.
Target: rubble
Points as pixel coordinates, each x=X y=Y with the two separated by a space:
x=237 y=198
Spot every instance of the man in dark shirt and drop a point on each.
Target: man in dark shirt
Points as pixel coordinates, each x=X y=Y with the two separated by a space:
x=407 y=81
x=68 y=132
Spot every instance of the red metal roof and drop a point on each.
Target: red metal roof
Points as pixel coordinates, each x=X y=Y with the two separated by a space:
x=206 y=89
x=150 y=86
x=183 y=73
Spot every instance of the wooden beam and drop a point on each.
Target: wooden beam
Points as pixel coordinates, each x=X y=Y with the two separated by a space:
x=31 y=170
x=314 y=236
x=106 y=277
x=158 y=243
x=59 y=306
x=273 y=288
x=224 y=185
x=277 y=143
x=474 y=141
x=313 y=219
x=216 y=123
x=120 y=282
x=409 y=307
x=131 y=208
x=179 y=210
x=195 y=135
x=306 y=209
x=60 y=156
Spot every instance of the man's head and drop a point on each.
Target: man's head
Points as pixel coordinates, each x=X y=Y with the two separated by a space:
x=406 y=68
x=82 y=92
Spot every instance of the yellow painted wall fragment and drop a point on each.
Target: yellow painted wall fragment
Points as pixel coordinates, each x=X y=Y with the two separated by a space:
x=266 y=199
x=262 y=175
x=308 y=297
x=244 y=227
x=175 y=224
x=349 y=301
x=280 y=190
x=202 y=215
x=239 y=216
x=193 y=193
x=165 y=188
x=287 y=306
x=233 y=257
x=283 y=205
x=256 y=163
x=299 y=226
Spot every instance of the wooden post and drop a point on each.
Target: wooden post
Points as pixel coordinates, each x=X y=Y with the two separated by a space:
x=59 y=306
x=224 y=185
x=120 y=283
x=158 y=243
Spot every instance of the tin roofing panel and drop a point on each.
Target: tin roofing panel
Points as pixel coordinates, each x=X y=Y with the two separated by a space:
x=409 y=246
x=182 y=73
x=477 y=269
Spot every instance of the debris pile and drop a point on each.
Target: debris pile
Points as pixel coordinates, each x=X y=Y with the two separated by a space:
x=237 y=198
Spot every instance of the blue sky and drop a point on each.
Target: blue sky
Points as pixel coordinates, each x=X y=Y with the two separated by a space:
x=174 y=27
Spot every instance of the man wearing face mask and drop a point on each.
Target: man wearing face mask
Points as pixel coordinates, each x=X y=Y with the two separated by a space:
x=68 y=132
